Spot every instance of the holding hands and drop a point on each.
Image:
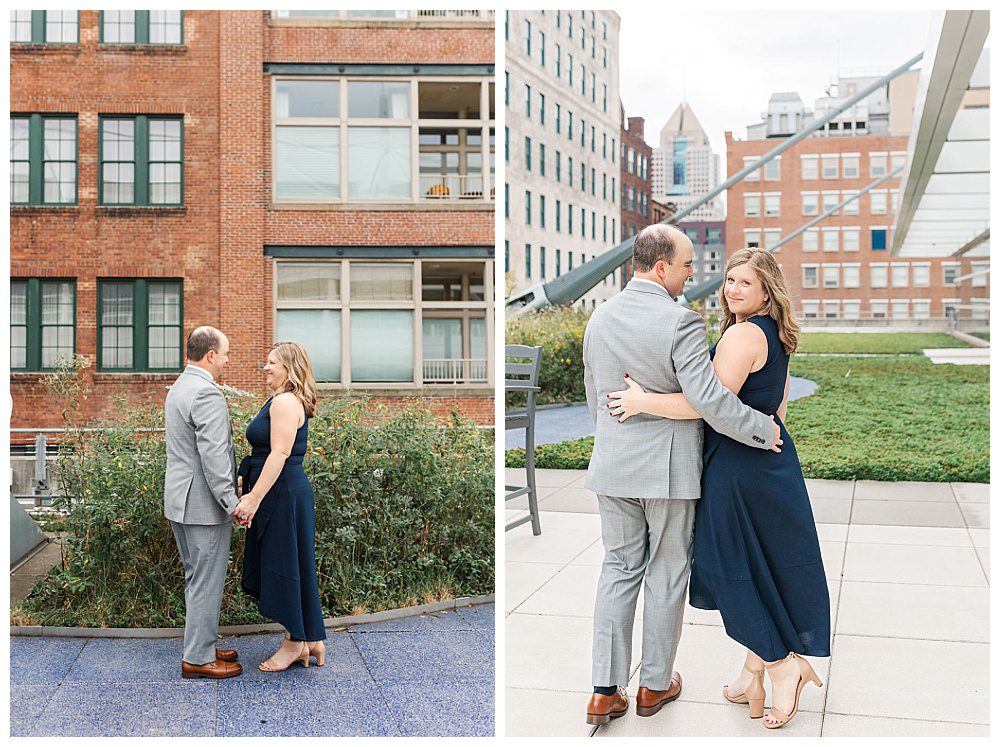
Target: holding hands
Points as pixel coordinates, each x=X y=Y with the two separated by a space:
x=247 y=507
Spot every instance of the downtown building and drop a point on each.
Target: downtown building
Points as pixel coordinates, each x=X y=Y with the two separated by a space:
x=841 y=270
x=318 y=176
x=562 y=138
x=636 y=197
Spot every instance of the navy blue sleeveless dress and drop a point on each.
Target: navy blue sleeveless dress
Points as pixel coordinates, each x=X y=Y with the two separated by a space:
x=756 y=553
x=279 y=561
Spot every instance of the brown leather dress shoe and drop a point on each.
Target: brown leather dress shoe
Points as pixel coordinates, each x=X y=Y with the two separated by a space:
x=214 y=670
x=602 y=708
x=226 y=654
x=648 y=702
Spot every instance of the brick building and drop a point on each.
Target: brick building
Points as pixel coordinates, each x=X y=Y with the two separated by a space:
x=323 y=176
x=636 y=183
x=841 y=269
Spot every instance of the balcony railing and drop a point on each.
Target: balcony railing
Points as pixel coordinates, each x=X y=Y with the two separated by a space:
x=474 y=14
x=453 y=187
x=455 y=370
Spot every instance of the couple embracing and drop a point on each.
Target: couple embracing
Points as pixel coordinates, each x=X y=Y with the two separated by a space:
x=723 y=505
x=270 y=497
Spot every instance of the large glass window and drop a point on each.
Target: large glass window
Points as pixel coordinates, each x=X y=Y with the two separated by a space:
x=44 y=26
x=345 y=140
x=361 y=321
x=139 y=325
x=42 y=323
x=142 y=26
x=43 y=157
x=142 y=161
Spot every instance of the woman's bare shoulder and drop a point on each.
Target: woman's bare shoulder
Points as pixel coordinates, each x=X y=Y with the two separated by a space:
x=744 y=335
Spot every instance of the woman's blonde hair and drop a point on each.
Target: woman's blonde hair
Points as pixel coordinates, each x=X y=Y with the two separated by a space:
x=778 y=305
x=300 y=374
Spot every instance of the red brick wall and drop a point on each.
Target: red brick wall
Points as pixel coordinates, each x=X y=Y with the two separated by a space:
x=383 y=45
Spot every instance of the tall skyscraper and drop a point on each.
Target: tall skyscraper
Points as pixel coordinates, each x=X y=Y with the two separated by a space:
x=684 y=167
x=562 y=144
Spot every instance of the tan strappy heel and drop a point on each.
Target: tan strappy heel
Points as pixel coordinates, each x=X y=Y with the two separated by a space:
x=316 y=649
x=753 y=695
x=806 y=674
x=270 y=666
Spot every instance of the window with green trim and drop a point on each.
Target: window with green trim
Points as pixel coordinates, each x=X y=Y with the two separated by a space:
x=45 y=26
x=142 y=27
x=142 y=160
x=43 y=155
x=139 y=325
x=42 y=323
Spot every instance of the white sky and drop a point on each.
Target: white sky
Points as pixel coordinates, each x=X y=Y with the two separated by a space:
x=730 y=62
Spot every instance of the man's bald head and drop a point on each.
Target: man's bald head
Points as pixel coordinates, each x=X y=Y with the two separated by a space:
x=654 y=243
x=201 y=340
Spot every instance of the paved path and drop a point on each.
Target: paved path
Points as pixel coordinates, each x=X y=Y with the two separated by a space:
x=430 y=675
x=554 y=425
x=908 y=570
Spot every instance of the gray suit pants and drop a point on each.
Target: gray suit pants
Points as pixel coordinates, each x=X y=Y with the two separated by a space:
x=204 y=551
x=645 y=540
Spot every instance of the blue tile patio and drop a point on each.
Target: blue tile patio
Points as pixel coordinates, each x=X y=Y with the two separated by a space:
x=427 y=675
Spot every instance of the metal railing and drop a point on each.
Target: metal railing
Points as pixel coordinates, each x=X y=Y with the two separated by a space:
x=453 y=187
x=455 y=370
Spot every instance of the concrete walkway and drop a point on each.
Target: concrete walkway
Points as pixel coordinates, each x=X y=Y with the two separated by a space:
x=908 y=570
x=430 y=675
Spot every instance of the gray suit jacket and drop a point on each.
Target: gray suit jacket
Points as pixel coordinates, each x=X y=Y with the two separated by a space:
x=663 y=346
x=200 y=485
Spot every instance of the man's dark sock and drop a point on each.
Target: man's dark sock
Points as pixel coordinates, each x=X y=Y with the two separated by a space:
x=606 y=690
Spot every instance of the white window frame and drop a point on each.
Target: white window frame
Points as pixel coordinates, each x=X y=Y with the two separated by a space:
x=924 y=269
x=751 y=204
x=806 y=282
x=831 y=309
x=979 y=280
x=772 y=165
x=878 y=164
x=878 y=201
x=878 y=283
x=851 y=309
x=830 y=161
x=921 y=308
x=810 y=309
x=751 y=236
x=775 y=209
x=810 y=166
x=830 y=275
x=851 y=274
x=945 y=266
x=848 y=231
x=879 y=305
x=828 y=244
x=810 y=203
x=810 y=240
x=850 y=161
x=830 y=198
x=753 y=176
x=771 y=237
x=980 y=308
x=896 y=274
x=896 y=304
x=853 y=207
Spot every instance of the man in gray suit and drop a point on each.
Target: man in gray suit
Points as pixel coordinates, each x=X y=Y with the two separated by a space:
x=647 y=471
x=200 y=497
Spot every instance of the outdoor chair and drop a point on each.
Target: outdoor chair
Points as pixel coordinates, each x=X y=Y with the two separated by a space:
x=522 y=377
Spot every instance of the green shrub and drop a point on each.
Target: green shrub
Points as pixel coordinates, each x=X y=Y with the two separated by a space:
x=559 y=330
x=890 y=419
x=404 y=515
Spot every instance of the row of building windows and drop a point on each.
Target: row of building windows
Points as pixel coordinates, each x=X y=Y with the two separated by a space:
x=117 y=27
x=569 y=66
x=835 y=239
x=361 y=321
x=539 y=216
x=543 y=267
x=829 y=166
x=140 y=160
x=900 y=309
x=708 y=235
x=636 y=163
x=530 y=163
x=635 y=200
x=540 y=110
x=813 y=202
x=886 y=274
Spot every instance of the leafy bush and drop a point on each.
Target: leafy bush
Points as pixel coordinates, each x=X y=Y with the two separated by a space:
x=889 y=419
x=559 y=330
x=404 y=515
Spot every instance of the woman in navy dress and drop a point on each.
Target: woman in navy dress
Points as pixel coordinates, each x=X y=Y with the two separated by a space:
x=756 y=554
x=279 y=562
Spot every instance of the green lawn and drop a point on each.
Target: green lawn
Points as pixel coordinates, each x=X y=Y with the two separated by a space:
x=982 y=335
x=871 y=419
x=875 y=342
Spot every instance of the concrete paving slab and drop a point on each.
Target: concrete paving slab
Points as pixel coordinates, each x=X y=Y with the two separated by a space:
x=532 y=712
x=521 y=580
x=424 y=657
x=976 y=515
x=332 y=709
x=893 y=535
x=833 y=558
x=549 y=478
x=343 y=661
x=521 y=502
x=570 y=592
x=942 y=613
x=571 y=500
x=872 y=490
x=959 y=356
x=26 y=704
x=971 y=492
x=42 y=661
x=688 y=719
x=135 y=709
x=907 y=513
x=449 y=709
x=831 y=532
x=111 y=660
x=551 y=653
x=593 y=555
x=565 y=536
x=941 y=677
x=983 y=554
x=908 y=564
x=834 y=489
x=830 y=510
x=980 y=537
x=837 y=725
